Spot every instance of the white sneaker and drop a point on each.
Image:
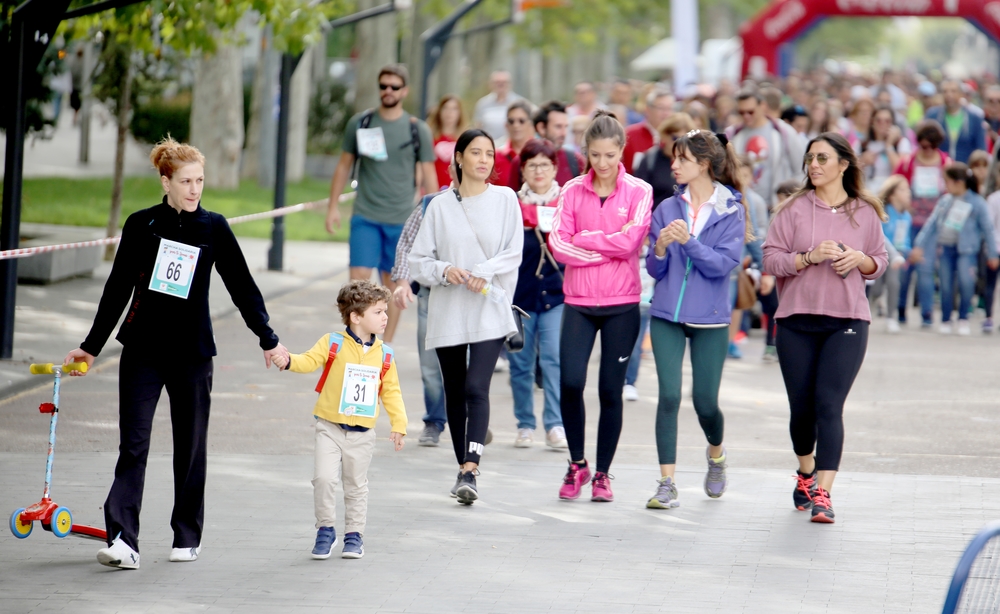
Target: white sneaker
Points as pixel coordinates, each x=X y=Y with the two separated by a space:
x=502 y=366
x=945 y=328
x=630 y=393
x=963 y=328
x=892 y=327
x=184 y=555
x=556 y=438
x=118 y=554
x=525 y=437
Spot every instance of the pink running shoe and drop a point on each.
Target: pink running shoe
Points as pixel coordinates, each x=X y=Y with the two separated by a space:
x=573 y=483
x=602 y=488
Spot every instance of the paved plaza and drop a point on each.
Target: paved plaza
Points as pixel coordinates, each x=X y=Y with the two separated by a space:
x=918 y=481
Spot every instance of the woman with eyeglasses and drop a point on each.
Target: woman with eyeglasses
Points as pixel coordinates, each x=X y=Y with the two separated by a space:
x=923 y=169
x=823 y=244
x=539 y=292
x=519 y=131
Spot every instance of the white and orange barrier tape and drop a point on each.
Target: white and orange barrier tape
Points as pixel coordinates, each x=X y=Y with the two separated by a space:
x=25 y=252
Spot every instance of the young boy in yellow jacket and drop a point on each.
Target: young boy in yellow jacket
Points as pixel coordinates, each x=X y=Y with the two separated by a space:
x=358 y=370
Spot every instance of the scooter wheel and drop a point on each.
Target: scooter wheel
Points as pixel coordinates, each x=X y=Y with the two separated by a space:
x=61 y=522
x=18 y=528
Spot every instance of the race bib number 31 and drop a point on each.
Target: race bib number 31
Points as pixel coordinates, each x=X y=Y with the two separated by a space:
x=174 y=268
x=359 y=396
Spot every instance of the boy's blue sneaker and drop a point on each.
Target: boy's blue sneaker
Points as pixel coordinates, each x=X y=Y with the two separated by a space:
x=326 y=539
x=354 y=548
x=734 y=351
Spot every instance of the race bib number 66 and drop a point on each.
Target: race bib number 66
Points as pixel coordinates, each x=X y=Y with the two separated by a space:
x=174 y=268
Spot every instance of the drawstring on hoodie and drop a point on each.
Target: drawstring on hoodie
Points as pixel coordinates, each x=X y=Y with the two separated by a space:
x=812 y=236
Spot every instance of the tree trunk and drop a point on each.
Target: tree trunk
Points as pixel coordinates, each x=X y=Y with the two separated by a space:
x=117 y=184
x=376 y=47
x=217 y=116
x=298 y=124
x=262 y=131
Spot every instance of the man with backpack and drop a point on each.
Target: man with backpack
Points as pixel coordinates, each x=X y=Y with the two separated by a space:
x=387 y=150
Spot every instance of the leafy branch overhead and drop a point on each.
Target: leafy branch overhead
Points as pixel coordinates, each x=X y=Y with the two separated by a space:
x=191 y=26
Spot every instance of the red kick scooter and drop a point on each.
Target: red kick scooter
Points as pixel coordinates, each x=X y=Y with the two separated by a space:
x=52 y=516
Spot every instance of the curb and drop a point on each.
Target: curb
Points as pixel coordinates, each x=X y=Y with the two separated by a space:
x=109 y=355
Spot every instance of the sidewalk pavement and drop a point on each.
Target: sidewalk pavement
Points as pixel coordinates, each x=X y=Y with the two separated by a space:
x=519 y=549
x=59 y=155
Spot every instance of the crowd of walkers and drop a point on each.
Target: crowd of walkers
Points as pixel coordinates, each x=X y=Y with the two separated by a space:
x=539 y=229
x=670 y=220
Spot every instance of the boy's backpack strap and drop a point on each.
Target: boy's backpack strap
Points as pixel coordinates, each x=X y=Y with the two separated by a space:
x=386 y=361
x=336 y=342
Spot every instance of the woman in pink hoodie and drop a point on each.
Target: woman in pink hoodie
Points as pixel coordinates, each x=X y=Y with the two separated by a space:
x=823 y=243
x=599 y=226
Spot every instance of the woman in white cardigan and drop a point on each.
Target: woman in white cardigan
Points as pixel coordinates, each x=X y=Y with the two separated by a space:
x=469 y=245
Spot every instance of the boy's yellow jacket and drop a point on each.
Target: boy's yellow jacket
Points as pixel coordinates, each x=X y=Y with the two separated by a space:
x=328 y=403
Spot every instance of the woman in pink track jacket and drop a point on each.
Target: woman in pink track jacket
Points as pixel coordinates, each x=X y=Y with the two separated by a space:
x=600 y=224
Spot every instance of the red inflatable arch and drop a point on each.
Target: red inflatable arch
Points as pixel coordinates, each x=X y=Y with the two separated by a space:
x=766 y=38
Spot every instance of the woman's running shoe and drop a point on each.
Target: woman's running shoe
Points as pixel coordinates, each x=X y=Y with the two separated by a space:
x=602 y=488
x=665 y=497
x=822 y=510
x=805 y=488
x=574 y=480
x=467 y=493
x=716 y=480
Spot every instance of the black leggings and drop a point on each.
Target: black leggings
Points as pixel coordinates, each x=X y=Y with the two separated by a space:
x=141 y=380
x=819 y=363
x=467 y=371
x=618 y=335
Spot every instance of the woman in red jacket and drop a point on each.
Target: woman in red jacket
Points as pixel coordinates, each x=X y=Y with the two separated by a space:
x=446 y=122
x=600 y=224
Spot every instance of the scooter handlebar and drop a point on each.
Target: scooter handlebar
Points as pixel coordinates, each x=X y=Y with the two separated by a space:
x=49 y=368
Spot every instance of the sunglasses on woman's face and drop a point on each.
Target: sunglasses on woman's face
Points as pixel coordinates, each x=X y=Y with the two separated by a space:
x=822 y=158
x=516 y=120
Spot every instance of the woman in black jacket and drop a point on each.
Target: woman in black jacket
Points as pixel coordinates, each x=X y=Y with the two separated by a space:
x=654 y=168
x=539 y=292
x=162 y=273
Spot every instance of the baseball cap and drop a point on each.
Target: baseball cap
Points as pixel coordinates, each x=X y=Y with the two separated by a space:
x=926 y=88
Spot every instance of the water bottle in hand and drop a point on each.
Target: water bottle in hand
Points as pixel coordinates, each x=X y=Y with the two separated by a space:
x=494 y=293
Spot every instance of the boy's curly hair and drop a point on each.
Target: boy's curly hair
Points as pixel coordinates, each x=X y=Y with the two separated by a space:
x=358 y=295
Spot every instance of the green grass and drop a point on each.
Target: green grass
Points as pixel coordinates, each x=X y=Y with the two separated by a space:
x=86 y=202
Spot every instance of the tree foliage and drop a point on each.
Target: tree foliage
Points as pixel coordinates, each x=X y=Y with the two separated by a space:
x=842 y=38
x=191 y=26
